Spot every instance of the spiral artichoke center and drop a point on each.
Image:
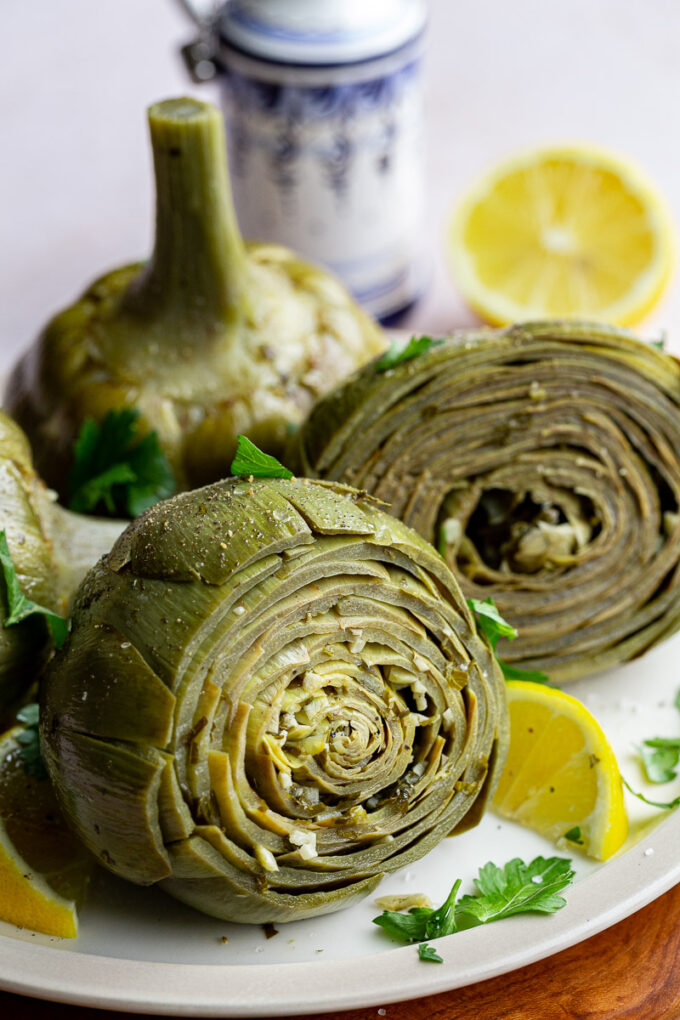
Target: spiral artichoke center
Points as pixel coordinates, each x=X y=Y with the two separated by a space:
x=524 y=532
x=343 y=731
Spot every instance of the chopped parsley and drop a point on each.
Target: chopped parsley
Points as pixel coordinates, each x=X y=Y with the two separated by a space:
x=19 y=606
x=429 y=953
x=494 y=627
x=250 y=460
x=29 y=739
x=517 y=888
x=116 y=470
x=574 y=835
x=397 y=354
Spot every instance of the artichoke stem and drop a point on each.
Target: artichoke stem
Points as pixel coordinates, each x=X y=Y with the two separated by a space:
x=197 y=272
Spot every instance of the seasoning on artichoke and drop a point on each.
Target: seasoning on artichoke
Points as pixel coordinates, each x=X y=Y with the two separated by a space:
x=273 y=693
x=45 y=554
x=210 y=338
x=543 y=461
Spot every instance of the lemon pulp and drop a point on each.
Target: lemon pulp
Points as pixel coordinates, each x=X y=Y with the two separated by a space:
x=565 y=232
x=561 y=774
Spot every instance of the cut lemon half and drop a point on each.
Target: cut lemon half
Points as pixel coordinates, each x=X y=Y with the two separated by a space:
x=564 y=232
x=43 y=869
x=561 y=777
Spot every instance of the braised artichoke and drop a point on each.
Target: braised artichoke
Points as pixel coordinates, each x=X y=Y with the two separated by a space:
x=211 y=338
x=51 y=550
x=24 y=510
x=273 y=694
x=544 y=462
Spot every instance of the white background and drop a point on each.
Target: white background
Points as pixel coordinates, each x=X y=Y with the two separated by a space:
x=76 y=76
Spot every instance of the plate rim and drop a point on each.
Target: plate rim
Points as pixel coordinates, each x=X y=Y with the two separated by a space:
x=394 y=975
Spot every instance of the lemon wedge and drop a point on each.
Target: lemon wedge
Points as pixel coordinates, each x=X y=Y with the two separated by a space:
x=561 y=776
x=564 y=232
x=43 y=869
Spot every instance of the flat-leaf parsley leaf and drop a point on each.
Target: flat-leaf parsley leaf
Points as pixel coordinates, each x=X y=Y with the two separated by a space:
x=116 y=469
x=397 y=354
x=250 y=460
x=494 y=627
x=518 y=888
x=19 y=607
x=660 y=757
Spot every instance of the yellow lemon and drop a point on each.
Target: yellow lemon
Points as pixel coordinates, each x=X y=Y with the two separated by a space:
x=564 y=232
x=561 y=776
x=43 y=869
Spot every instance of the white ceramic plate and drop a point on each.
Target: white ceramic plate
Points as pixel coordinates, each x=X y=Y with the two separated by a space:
x=140 y=951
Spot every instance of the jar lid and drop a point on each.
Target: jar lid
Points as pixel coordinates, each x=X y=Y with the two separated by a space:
x=320 y=31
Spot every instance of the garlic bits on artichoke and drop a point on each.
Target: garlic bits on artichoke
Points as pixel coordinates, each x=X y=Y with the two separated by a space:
x=273 y=694
x=212 y=337
x=543 y=461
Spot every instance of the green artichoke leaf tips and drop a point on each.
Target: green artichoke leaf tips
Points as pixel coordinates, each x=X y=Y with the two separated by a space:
x=319 y=712
x=212 y=336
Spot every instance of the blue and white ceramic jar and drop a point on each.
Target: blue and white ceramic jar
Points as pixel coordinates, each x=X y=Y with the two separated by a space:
x=323 y=107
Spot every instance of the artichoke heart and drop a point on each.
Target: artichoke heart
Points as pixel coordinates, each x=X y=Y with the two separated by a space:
x=211 y=338
x=273 y=694
x=543 y=461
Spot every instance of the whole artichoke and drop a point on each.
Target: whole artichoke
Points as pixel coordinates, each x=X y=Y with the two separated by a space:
x=544 y=462
x=209 y=339
x=273 y=694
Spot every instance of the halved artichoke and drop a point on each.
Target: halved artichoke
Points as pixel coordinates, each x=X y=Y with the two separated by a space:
x=51 y=550
x=209 y=339
x=544 y=462
x=24 y=513
x=272 y=695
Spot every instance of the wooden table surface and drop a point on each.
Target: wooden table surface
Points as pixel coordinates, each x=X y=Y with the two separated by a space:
x=629 y=972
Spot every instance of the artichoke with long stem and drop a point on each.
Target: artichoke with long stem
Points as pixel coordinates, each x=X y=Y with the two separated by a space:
x=544 y=462
x=211 y=338
x=273 y=694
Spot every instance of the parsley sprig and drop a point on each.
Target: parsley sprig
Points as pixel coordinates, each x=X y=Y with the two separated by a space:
x=494 y=627
x=661 y=755
x=116 y=469
x=664 y=805
x=250 y=460
x=516 y=888
x=19 y=606
x=29 y=739
x=397 y=354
